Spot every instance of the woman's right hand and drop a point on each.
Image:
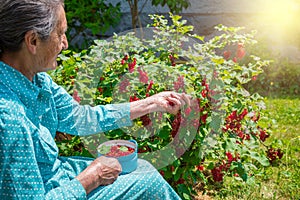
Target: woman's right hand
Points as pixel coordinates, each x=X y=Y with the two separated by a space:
x=102 y=171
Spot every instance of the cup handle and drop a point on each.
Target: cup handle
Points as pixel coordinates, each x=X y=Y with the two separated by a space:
x=136 y=144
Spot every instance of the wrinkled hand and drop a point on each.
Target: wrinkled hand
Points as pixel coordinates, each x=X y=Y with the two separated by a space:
x=170 y=102
x=102 y=171
x=107 y=169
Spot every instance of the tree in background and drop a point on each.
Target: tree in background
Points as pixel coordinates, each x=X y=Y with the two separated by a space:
x=175 y=6
x=91 y=19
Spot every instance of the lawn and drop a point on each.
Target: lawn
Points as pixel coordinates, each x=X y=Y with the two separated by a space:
x=282 y=179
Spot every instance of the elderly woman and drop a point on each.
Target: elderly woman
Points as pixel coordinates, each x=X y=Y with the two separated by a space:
x=33 y=108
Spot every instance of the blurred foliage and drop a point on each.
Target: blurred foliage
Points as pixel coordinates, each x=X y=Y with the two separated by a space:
x=135 y=6
x=90 y=18
x=175 y=6
x=72 y=147
x=280 y=79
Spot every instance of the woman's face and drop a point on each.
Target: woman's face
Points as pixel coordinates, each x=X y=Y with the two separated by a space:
x=49 y=50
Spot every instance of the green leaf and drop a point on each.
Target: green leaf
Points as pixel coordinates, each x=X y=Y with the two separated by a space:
x=230 y=144
x=178 y=173
x=104 y=149
x=240 y=169
x=260 y=158
x=123 y=148
x=186 y=196
x=218 y=61
x=211 y=165
x=185 y=191
x=164 y=133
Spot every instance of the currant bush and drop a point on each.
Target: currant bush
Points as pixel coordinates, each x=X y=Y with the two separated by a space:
x=219 y=136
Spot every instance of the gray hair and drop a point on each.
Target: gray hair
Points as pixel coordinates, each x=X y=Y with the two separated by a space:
x=17 y=17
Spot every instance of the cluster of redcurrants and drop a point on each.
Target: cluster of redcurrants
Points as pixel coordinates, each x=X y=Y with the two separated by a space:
x=119 y=150
x=218 y=171
x=274 y=154
x=239 y=54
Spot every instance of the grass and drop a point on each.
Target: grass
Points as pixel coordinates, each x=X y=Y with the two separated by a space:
x=282 y=180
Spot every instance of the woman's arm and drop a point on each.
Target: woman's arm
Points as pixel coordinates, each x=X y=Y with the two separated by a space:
x=82 y=120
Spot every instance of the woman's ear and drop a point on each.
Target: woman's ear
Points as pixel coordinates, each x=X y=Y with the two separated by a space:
x=31 y=41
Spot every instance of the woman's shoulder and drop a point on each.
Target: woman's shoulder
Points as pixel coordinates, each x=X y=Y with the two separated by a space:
x=5 y=92
x=9 y=100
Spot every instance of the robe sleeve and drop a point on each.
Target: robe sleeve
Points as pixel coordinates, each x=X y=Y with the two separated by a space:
x=82 y=120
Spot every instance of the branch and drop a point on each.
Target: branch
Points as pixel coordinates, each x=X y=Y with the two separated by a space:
x=143 y=6
x=130 y=4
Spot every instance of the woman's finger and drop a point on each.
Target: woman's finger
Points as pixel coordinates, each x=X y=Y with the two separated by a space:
x=175 y=100
x=187 y=99
x=183 y=98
